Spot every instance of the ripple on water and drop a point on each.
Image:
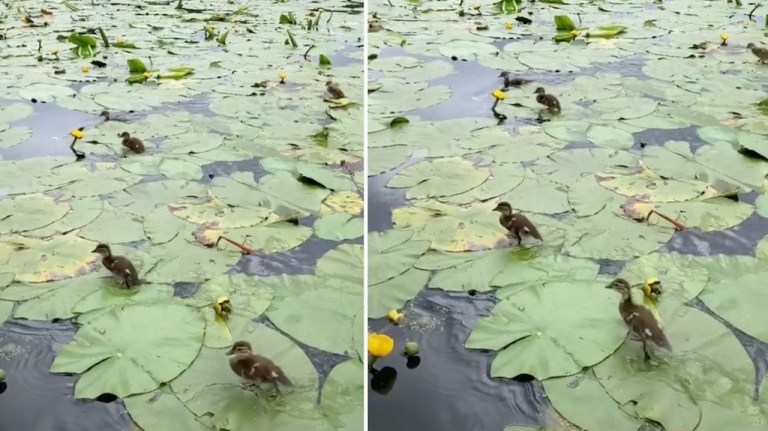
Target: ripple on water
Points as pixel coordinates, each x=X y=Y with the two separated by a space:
x=30 y=387
x=434 y=395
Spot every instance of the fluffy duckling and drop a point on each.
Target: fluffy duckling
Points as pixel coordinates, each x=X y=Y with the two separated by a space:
x=120 y=266
x=642 y=325
x=516 y=223
x=255 y=369
x=131 y=143
x=509 y=81
x=760 y=53
x=333 y=91
x=547 y=100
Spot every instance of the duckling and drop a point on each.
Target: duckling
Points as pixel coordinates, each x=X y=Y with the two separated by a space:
x=255 y=369
x=640 y=320
x=333 y=91
x=651 y=292
x=547 y=100
x=133 y=144
x=512 y=82
x=118 y=265
x=760 y=53
x=517 y=224
x=105 y=114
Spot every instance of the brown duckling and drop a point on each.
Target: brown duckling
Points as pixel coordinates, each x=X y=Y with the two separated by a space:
x=255 y=369
x=333 y=91
x=509 y=81
x=131 y=143
x=760 y=53
x=640 y=320
x=118 y=265
x=547 y=100
x=105 y=115
x=516 y=223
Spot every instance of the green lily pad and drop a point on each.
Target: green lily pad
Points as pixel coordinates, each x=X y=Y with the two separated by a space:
x=272 y=191
x=442 y=177
x=342 y=397
x=345 y=263
x=14 y=112
x=6 y=310
x=215 y=213
x=161 y=226
x=103 y=229
x=90 y=179
x=609 y=137
x=740 y=301
x=531 y=342
x=268 y=238
x=339 y=227
x=161 y=410
x=116 y=296
x=395 y=292
x=650 y=187
x=180 y=260
x=451 y=228
x=625 y=108
x=321 y=318
x=209 y=387
x=82 y=212
x=504 y=178
x=117 y=355
x=30 y=212
x=391 y=253
x=14 y=136
x=36 y=260
x=576 y=397
x=25 y=176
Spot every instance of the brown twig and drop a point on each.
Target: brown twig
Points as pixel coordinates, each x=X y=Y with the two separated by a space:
x=678 y=226
x=244 y=248
x=753 y=11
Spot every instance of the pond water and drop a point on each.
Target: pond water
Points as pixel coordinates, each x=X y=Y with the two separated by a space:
x=201 y=131
x=450 y=62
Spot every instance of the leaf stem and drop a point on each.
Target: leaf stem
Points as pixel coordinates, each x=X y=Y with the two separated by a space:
x=678 y=226
x=244 y=248
x=103 y=37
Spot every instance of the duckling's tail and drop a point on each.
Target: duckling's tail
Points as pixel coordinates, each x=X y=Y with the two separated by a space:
x=282 y=379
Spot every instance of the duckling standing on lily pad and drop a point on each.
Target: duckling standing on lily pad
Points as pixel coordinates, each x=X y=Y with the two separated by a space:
x=333 y=91
x=760 y=53
x=642 y=325
x=120 y=266
x=516 y=224
x=547 y=100
x=255 y=369
x=131 y=143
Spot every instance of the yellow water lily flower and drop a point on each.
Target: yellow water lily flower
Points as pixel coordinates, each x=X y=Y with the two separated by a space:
x=282 y=75
x=84 y=68
x=54 y=52
x=380 y=345
x=320 y=10
x=147 y=75
x=222 y=307
x=476 y=6
x=652 y=288
x=76 y=133
x=395 y=316
x=508 y=25
x=119 y=40
x=575 y=33
x=498 y=94
x=724 y=36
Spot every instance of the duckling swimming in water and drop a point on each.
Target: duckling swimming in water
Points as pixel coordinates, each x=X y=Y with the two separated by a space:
x=131 y=143
x=509 y=81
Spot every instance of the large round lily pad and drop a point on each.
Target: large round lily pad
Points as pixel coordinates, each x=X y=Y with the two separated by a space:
x=395 y=292
x=531 y=342
x=29 y=212
x=209 y=387
x=392 y=252
x=161 y=410
x=36 y=260
x=342 y=397
x=441 y=177
x=741 y=301
x=118 y=355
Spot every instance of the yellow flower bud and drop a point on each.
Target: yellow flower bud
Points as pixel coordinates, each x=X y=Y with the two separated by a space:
x=84 y=68
x=282 y=75
x=54 y=51
x=76 y=133
x=476 y=6
x=319 y=10
x=380 y=345
x=724 y=36
x=395 y=316
x=497 y=93
x=575 y=33
x=508 y=25
x=147 y=74
x=119 y=40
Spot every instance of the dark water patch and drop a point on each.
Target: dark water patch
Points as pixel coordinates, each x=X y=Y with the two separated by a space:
x=450 y=388
x=37 y=400
x=661 y=136
x=185 y=289
x=225 y=169
x=299 y=260
x=738 y=240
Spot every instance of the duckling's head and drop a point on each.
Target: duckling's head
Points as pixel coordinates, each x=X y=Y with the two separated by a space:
x=102 y=249
x=329 y=83
x=124 y=135
x=503 y=207
x=539 y=90
x=750 y=45
x=652 y=287
x=503 y=74
x=239 y=347
x=104 y=114
x=620 y=285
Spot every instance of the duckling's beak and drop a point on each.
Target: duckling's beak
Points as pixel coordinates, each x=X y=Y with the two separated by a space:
x=496 y=209
x=230 y=352
x=95 y=250
x=609 y=286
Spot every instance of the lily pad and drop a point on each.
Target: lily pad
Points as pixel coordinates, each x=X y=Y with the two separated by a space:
x=161 y=410
x=30 y=212
x=37 y=260
x=442 y=177
x=339 y=227
x=391 y=253
x=342 y=396
x=395 y=292
x=103 y=229
x=214 y=213
x=740 y=301
x=344 y=262
x=531 y=342
x=117 y=355
x=267 y=238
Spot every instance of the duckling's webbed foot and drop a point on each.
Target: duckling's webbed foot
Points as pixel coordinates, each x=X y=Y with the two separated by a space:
x=646 y=356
